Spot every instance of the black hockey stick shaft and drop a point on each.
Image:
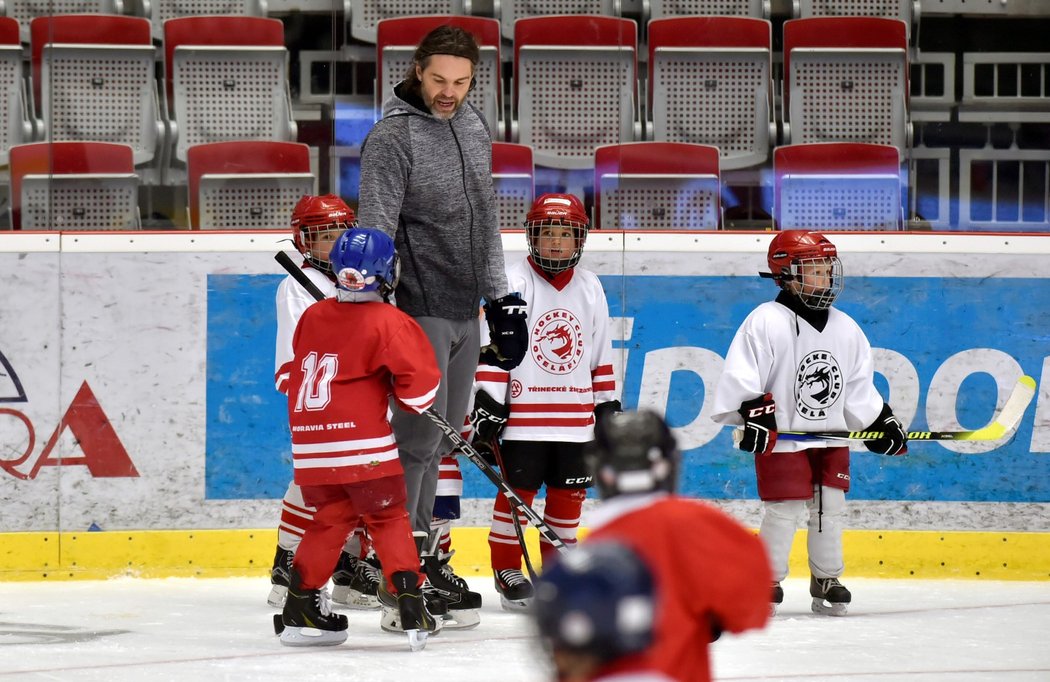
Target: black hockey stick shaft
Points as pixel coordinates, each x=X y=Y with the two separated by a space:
x=295 y=271
x=452 y=434
x=459 y=443
x=517 y=521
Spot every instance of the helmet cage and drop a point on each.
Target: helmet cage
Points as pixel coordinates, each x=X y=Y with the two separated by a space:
x=306 y=234
x=816 y=281
x=534 y=232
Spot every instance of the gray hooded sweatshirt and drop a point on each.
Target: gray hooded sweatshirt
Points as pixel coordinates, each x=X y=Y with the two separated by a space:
x=427 y=182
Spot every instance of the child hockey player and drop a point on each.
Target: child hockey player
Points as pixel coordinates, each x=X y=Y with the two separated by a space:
x=352 y=353
x=595 y=610
x=711 y=572
x=544 y=409
x=317 y=221
x=799 y=364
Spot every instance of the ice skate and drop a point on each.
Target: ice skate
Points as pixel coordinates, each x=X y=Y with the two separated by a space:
x=463 y=604
x=515 y=590
x=341 y=577
x=307 y=619
x=406 y=611
x=280 y=574
x=364 y=587
x=776 y=599
x=830 y=597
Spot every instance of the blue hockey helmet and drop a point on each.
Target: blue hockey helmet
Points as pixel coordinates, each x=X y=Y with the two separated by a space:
x=599 y=600
x=364 y=259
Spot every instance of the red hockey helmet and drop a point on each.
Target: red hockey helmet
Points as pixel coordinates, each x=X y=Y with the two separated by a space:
x=314 y=215
x=807 y=264
x=556 y=210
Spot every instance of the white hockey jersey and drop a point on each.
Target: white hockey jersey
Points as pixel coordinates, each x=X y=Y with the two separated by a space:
x=820 y=380
x=292 y=300
x=568 y=367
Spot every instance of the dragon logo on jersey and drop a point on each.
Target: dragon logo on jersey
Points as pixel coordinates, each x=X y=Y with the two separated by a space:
x=818 y=384
x=557 y=341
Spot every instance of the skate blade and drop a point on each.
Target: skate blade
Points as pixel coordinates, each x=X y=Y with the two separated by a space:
x=296 y=636
x=278 y=595
x=461 y=619
x=515 y=605
x=417 y=639
x=827 y=608
x=390 y=621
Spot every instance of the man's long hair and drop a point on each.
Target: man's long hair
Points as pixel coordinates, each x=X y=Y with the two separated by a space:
x=444 y=39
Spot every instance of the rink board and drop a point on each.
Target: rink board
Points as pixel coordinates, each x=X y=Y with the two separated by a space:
x=136 y=383
x=211 y=554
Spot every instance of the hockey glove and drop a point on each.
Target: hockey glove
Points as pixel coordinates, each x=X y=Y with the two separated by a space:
x=603 y=410
x=508 y=331
x=894 y=440
x=488 y=418
x=760 y=425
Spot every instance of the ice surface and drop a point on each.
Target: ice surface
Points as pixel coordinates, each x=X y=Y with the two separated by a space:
x=221 y=629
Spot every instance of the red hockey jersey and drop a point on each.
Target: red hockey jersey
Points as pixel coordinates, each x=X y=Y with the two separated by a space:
x=349 y=359
x=707 y=567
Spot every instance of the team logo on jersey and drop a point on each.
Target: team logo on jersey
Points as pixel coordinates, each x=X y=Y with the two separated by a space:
x=557 y=341
x=515 y=388
x=818 y=384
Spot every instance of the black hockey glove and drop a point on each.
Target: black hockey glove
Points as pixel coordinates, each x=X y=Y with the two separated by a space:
x=508 y=332
x=603 y=410
x=760 y=425
x=894 y=440
x=488 y=418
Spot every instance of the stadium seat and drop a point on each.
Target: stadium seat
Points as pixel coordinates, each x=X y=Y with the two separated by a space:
x=710 y=83
x=575 y=87
x=94 y=81
x=905 y=10
x=227 y=79
x=73 y=186
x=24 y=11
x=657 y=186
x=846 y=80
x=837 y=186
x=660 y=9
x=509 y=11
x=247 y=185
x=365 y=15
x=396 y=43
x=160 y=11
x=513 y=178
x=15 y=125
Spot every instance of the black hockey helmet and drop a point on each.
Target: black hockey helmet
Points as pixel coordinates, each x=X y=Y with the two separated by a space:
x=633 y=452
x=598 y=600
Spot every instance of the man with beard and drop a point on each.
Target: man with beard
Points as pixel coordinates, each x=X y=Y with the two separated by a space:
x=426 y=179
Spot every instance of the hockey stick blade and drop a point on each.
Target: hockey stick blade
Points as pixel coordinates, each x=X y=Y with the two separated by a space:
x=459 y=443
x=1004 y=422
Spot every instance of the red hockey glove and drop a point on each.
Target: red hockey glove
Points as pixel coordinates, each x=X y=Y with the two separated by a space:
x=508 y=332
x=760 y=425
x=894 y=440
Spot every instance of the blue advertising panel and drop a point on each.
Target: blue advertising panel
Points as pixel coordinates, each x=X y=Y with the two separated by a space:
x=945 y=348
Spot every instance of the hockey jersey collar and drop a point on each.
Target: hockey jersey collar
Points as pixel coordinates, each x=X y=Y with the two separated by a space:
x=558 y=281
x=818 y=319
x=621 y=505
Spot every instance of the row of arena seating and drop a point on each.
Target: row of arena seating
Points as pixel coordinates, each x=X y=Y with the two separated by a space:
x=363 y=16
x=646 y=185
x=575 y=77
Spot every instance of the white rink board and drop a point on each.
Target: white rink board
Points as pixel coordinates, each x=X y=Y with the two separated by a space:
x=127 y=315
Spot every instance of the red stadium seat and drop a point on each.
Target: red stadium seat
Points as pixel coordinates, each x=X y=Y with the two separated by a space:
x=513 y=176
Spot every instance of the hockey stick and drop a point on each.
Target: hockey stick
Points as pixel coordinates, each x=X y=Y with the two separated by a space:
x=1003 y=423
x=457 y=440
x=459 y=443
x=517 y=521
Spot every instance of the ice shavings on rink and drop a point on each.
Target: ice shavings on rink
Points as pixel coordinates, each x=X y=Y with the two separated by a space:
x=220 y=629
